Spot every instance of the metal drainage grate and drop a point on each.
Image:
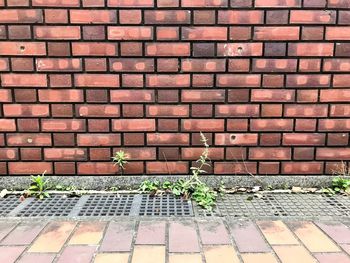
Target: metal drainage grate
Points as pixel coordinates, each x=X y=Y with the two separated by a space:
x=165 y=205
x=8 y=203
x=56 y=205
x=280 y=205
x=107 y=205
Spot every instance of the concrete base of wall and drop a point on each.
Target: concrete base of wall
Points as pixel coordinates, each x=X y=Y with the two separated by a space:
x=132 y=182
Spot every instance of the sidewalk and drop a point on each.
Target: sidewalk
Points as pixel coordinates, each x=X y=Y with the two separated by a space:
x=211 y=240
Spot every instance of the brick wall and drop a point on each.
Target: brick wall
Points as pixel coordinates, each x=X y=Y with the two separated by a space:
x=268 y=81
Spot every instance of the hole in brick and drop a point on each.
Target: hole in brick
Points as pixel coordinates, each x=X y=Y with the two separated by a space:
x=22 y=48
x=233 y=137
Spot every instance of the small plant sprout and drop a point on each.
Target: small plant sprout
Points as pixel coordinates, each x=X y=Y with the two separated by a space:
x=38 y=186
x=120 y=158
x=341 y=183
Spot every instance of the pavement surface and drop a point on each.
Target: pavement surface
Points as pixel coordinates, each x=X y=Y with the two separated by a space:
x=173 y=240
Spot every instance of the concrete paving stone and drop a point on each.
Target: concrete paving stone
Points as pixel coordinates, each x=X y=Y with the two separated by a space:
x=293 y=254
x=277 y=233
x=23 y=234
x=151 y=233
x=53 y=237
x=118 y=237
x=5 y=228
x=88 y=233
x=248 y=237
x=185 y=258
x=112 y=258
x=183 y=237
x=312 y=237
x=36 y=258
x=258 y=258
x=213 y=233
x=332 y=257
x=148 y=254
x=339 y=232
x=222 y=254
x=10 y=254
x=77 y=254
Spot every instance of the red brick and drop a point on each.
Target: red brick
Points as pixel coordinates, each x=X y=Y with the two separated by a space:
x=200 y=80
x=98 y=110
x=132 y=80
x=304 y=139
x=133 y=125
x=337 y=125
x=94 y=49
x=132 y=65
x=56 y=49
x=339 y=110
x=204 y=33
x=57 y=32
x=272 y=95
x=271 y=125
x=276 y=33
x=56 y=16
x=239 y=49
x=131 y=3
x=240 y=139
x=193 y=153
x=91 y=168
x=30 y=168
x=167 y=49
x=130 y=16
x=65 y=154
x=202 y=96
x=19 y=32
x=312 y=17
x=204 y=3
x=269 y=168
x=55 y=3
x=28 y=139
x=22 y=48
x=339 y=3
x=278 y=3
x=240 y=33
x=167 y=111
x=302 y=168
x=168 y=139
x=93 y=32
x=310 y=49
x=309 y=65
x=134 y=139
x=238 y=80
x=20 y=16
x=132 y=96
x=333 y=154
x=237 y=110
x=300 y=80
x=239 y=65
x=131 y=49
x=26 y=110
x=179 y=80
x=312 y=33
x=200 y=65
x=204 y=16
x=336 y=65
x=5 y=95
x=337 y=139
x=31 y=154
x=95 y=64
x=305 y=125
x=305 y=110
x=98 y=139
x=63 y=125
x=130 y=33
x=92 y=16
x=23 y=80
x=270 y=153
x=98 y=125
x=337 y=33
x=274 y=65
x=167 y=65
x=168 y=125
x=17 y=2
x=167 y=17
x=96 y=80
x=203 y=125
x=7 y=125
x=7 y=154
x=58 y=64
x=133 y=110
x=68 y=95
x=341 y=80
x=241 y=17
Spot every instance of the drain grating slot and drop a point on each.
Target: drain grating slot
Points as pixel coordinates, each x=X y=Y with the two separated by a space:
x=107 y=205
x=8 y=203
x=56 y=205
x=165 y=205
x=280 y=205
